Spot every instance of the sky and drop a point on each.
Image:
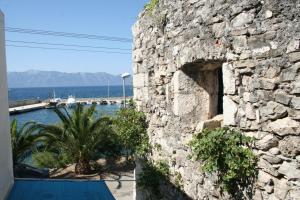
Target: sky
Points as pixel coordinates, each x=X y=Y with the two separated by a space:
x=113 y=18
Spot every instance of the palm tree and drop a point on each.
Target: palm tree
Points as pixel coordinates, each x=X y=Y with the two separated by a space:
x=78 y=135
x=23 y=140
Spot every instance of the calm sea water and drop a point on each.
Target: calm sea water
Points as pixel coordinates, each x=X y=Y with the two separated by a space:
x=63 y=92
x=47 y=116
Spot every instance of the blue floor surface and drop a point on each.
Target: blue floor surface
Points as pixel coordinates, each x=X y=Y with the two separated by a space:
x=60 y=190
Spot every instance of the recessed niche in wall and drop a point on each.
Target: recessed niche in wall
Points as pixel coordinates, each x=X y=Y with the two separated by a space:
x=198 y=90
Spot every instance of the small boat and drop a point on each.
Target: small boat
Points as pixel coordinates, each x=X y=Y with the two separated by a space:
x=103 y=102
x=54 y=102
x=71 y=101
x=112 y=102
x=83 y=103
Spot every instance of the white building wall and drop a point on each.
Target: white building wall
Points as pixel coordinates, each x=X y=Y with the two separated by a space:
x=6 y=167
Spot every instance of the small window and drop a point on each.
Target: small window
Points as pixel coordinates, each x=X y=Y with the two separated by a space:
x=205 y=83
x=220 y=91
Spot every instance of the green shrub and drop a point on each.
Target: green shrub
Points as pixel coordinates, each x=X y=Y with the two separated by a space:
x=151 y=5
x=151 y=177
x=178 y=180
x=131 y=128
x=225 y=152
x=157 y=147
x=50 y=160
x=24 y=140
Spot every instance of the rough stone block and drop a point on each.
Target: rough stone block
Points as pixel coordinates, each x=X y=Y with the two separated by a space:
x=294 y=57
x=272 y=159
x=246 y=96
x=274 y=151
x=296 y=88
x=138 y=56
x=282 y=98
x=180 y=82
x=293 y=45
x=219 y=29
x=239 y=44
x=290 y=146
x=281 y=188
x=272 y=72
x=264 y=95
x=296 y=103
x=285 y=126
x=267 y=167
x=267 y=142
x=250 y=112
x=267 y=84
x=230 y=110
x=242 y=19
x=258 y=195
x=228 y=79
x=294 y=193
x=263 y=178
x=294 y=114
x=213 y=123
x=290 y=73
x=140 y=80
x=245 y=64
x=273 y=110
x=184 y=104
x=261 y=52
x=290 y=170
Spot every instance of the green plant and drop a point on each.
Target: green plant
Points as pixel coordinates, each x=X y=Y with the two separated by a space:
x=151 y=177
x=178 y=180
x=23 y=140
x=77 y=137
x=157 y=147
x=131 y=128
x=226 y=152
x=151 y=5
x=50 y=160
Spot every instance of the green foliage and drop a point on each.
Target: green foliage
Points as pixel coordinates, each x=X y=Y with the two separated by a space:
x=131 y=127
x=151 y=5
x=178 y=180
x=152 y=175
x=78 y=136
x=157 y=147
x=163 y=168
x=225 y=151
x=50 y=160
x=23 y=140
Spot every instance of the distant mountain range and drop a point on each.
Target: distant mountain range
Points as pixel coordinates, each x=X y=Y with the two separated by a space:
x=36 y=78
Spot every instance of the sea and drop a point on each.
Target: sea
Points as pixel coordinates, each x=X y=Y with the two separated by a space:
x=47 y=116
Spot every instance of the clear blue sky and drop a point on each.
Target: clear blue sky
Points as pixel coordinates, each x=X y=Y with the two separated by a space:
x=101 y=17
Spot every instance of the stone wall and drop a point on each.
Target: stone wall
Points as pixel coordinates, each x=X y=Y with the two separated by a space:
x=177 y=50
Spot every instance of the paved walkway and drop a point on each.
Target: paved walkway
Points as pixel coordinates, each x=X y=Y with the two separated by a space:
x=121 y=186
x=119 y=178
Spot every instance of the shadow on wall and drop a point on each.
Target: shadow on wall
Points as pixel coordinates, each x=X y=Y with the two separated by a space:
x=154 y=182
